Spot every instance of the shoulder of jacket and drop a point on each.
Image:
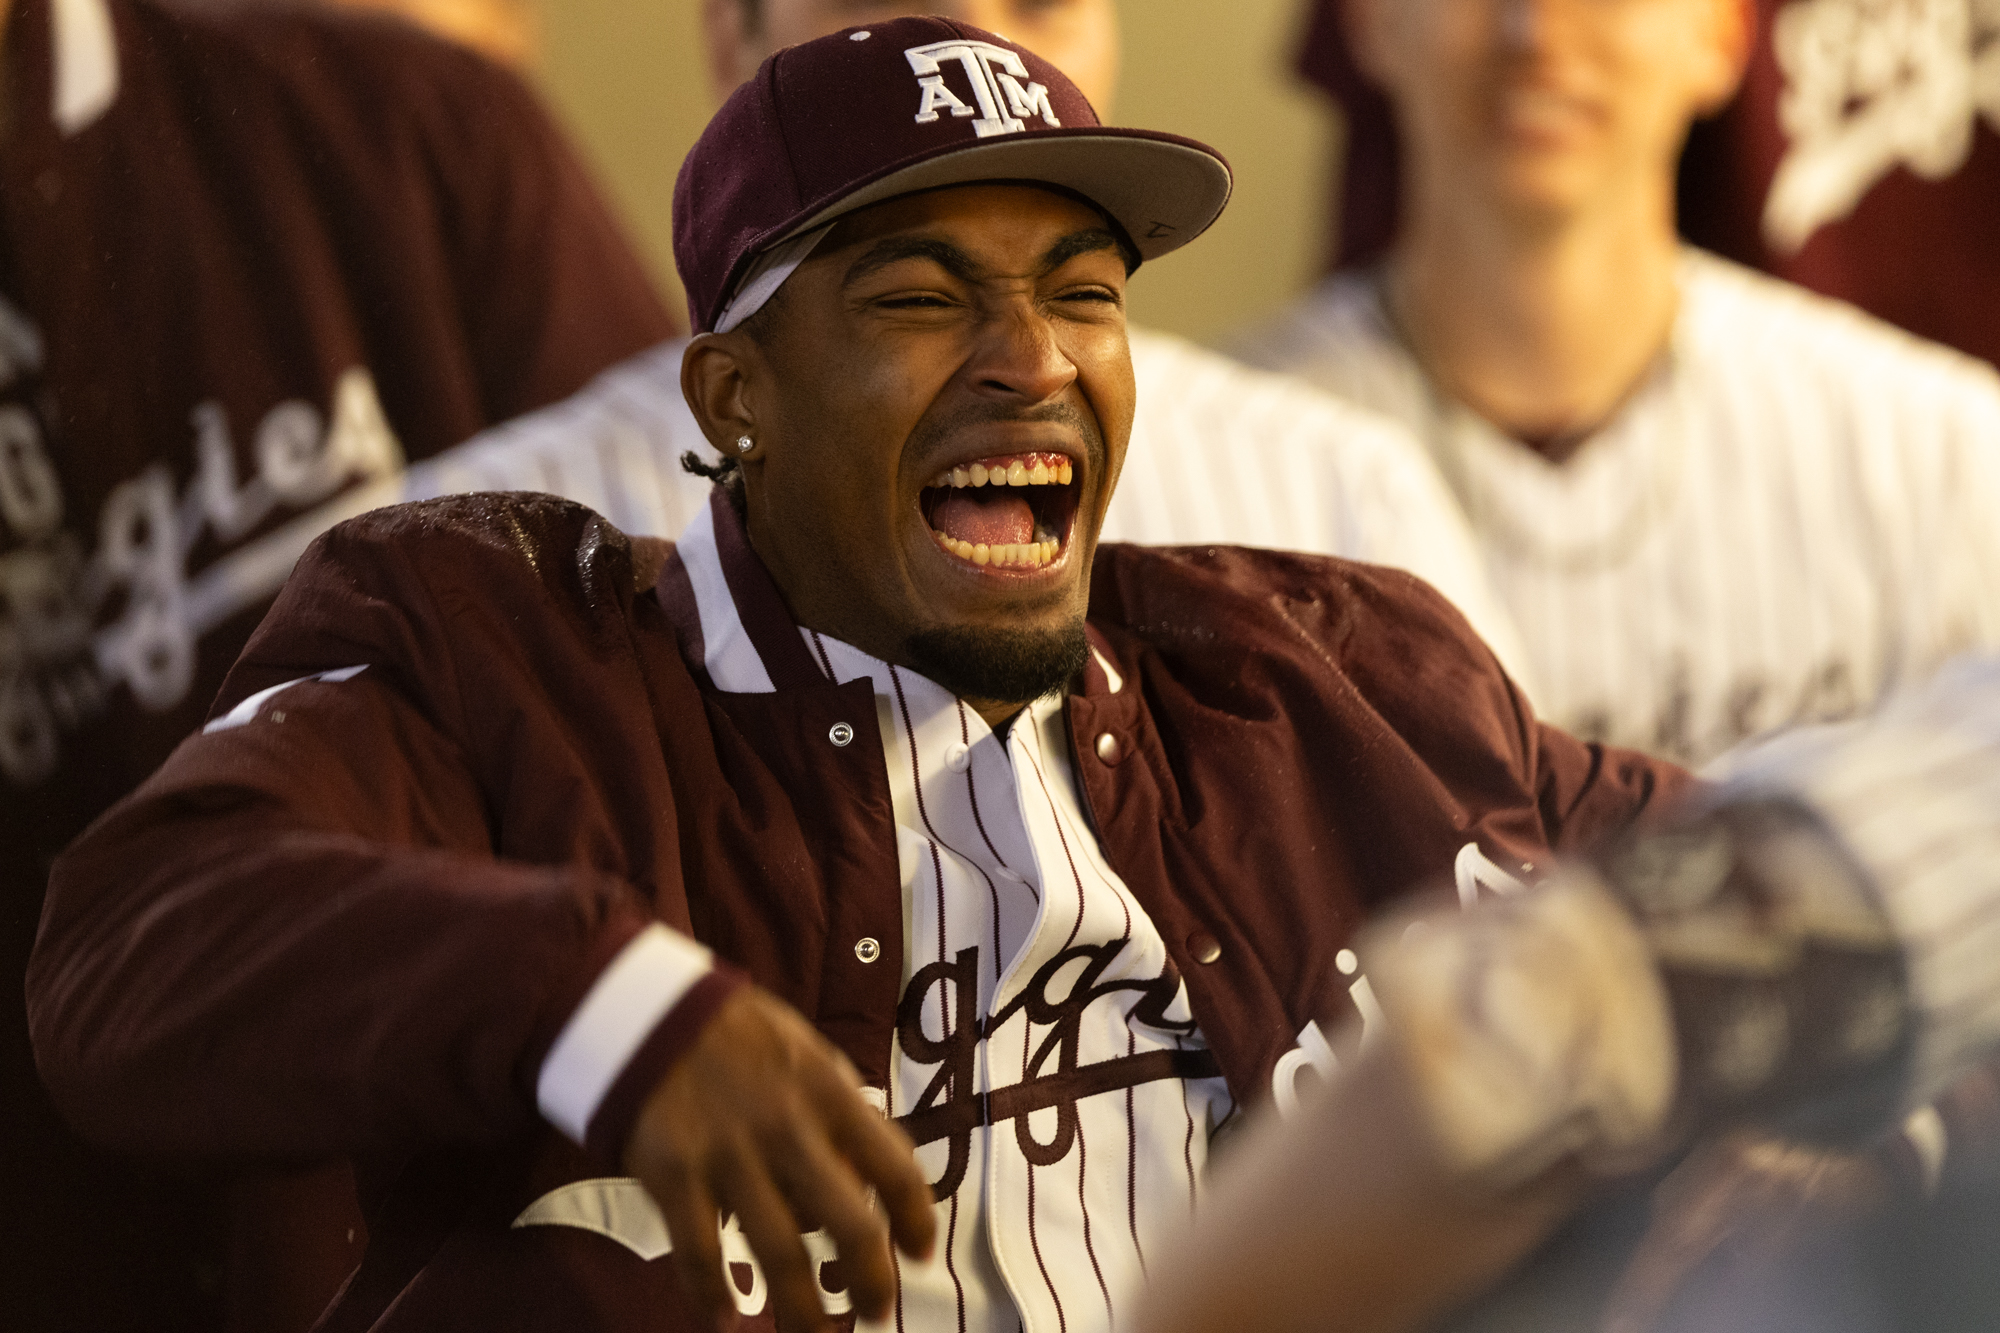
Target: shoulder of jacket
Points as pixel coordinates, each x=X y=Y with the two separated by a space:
x=1219 y=594
x=489 y=541
x=1268 y=634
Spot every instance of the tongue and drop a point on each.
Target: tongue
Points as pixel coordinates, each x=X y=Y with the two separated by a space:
x=993 y=520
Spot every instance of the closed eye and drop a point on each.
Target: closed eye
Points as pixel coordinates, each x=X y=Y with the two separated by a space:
x=1089 y=301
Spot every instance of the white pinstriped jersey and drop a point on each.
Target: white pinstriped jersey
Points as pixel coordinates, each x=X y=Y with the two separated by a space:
x=1219 y=453
x=1791 y=516
x=1029 y=967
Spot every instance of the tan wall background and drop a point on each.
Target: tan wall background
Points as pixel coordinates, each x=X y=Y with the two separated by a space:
x=626 y=77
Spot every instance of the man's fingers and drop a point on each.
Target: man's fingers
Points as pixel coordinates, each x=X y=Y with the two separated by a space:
x=886 y=1160
x=692 y=1223
x=825 y=1187
x=773 y=1232
x=768 y=1115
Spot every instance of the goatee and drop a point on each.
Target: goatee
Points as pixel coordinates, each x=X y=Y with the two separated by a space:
x=1005 y=666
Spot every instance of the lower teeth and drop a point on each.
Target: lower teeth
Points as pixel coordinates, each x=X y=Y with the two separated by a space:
x=1030 y=555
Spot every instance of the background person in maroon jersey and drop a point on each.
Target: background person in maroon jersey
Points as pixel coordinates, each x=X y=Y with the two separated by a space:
x=1862 y=160
x=249 y=264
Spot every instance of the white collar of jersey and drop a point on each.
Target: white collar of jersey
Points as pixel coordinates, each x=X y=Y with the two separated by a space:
x=84 y=56
x=735 y=665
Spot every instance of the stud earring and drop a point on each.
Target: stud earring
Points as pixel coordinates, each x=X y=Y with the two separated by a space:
x=744 y=444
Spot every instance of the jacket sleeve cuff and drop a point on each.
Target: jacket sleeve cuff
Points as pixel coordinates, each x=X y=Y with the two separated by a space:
x=665 y=1044
x=643 y=1011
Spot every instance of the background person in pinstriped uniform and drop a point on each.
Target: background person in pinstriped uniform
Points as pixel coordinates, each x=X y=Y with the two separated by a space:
x=1713 y=503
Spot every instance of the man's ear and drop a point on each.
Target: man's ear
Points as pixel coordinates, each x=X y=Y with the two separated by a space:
x=1727 y=37
x=716 y=375
x=731 y=47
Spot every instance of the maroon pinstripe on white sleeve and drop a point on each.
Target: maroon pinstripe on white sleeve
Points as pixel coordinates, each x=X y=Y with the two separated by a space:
x=1915 y=795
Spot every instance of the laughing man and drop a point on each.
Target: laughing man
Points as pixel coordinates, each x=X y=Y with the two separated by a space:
x=585 y=889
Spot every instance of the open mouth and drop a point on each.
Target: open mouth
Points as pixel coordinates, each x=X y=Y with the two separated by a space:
x=1011 y=511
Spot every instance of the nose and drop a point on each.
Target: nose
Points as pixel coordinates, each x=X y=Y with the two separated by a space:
x=1018 y=360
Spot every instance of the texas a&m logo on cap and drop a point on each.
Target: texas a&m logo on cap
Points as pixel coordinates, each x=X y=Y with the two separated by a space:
x=1005 y=95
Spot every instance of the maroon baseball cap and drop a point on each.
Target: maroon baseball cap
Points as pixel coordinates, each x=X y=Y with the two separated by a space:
x=834 y=125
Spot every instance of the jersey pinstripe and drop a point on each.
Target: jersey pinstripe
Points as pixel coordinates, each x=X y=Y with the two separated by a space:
x=1219 y=453
x=1791 y=516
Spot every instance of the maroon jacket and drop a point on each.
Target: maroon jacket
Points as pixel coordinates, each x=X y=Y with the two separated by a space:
x=356 y=924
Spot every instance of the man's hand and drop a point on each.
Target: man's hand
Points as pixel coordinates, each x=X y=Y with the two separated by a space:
x=761 y=1118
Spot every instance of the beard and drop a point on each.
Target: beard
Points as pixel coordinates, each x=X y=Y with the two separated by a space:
x=1005 y=666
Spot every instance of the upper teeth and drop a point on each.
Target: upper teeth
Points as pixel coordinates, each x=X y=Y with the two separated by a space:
x=1016 y=473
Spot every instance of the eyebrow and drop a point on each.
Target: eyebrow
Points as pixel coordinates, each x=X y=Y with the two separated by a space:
x=1086 y=242
x=896 y=249
x=963 y=266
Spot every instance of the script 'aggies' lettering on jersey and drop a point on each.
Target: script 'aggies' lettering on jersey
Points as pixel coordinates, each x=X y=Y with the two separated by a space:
x=1045 y=1058
x=1787 y=518
x=1004 y=93
x=1046 y=1062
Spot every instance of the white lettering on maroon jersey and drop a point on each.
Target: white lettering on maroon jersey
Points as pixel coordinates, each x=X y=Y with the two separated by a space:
x=73 y=626
x=1872 y=85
